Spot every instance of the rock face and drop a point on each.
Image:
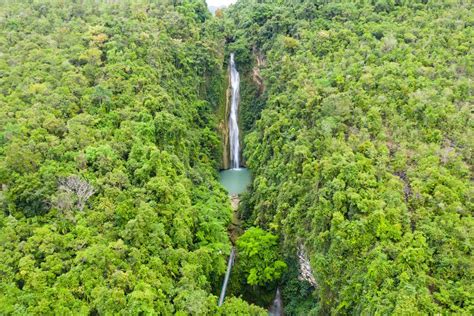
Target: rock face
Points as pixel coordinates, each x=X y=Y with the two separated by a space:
x=235 y=230
x=306 y=274
x=225 y=132
x=234 y=202
x=224 y=126
x=256 y=76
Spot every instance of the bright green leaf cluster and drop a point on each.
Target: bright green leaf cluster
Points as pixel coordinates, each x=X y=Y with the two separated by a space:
x=258 y=257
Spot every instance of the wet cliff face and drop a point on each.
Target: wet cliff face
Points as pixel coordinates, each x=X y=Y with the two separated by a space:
x=252 y=101
x=223 y=115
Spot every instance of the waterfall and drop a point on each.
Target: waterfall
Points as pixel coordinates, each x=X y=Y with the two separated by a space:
x=227 y=274
x=277 y=307
x=234 y=155
x=234 y=111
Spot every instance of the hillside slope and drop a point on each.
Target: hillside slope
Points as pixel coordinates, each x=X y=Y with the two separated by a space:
x=108 y=155
x=363 y=152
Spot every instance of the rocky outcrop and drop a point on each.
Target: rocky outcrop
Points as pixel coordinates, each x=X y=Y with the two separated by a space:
x=256 y=76
x=235 y=229
x=234 y=202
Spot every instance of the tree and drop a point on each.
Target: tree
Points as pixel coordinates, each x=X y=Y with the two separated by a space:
x=73 y=187
x=258 y=257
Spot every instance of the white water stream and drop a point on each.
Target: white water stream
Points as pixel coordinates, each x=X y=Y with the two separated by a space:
x=230 y=263
x=277 y=306
x=233 y=117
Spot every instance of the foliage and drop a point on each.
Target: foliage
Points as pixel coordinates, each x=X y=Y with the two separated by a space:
x=297 y=294
x=359 y=135
x=236 y=306
x=258 y=256
x=363 y=149
x=258 y=267
x=109 y=196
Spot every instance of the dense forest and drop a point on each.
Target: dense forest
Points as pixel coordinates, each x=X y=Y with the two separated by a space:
x=363 y=151
x=110 y=199
x=357 y=125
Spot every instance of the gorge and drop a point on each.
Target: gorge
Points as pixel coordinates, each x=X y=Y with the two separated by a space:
x=158 y=159
x=235 y=179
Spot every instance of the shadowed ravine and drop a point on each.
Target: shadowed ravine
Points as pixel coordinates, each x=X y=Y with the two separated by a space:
x=236 y=181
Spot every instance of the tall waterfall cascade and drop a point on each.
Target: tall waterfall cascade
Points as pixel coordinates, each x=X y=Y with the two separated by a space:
x=235 y=179
x=233 y=117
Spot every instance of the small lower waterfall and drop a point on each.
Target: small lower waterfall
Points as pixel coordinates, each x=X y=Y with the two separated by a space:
x=227 y=275
x=233 y=117
x=277 y=306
